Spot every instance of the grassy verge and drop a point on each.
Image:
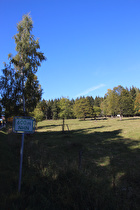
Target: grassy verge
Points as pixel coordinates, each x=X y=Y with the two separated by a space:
x=94 y=165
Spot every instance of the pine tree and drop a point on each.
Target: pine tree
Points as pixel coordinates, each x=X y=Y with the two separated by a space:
x=126 y=104
x=56 y=109
x=49 y=109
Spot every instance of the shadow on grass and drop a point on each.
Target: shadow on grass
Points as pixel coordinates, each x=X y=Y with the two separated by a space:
x=47 y=126
x=105 y=175
x=93 y=119
x=99 y=118
x=132 y=118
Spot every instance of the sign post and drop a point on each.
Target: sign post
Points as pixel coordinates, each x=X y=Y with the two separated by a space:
x=21 y=159
x=23 y=125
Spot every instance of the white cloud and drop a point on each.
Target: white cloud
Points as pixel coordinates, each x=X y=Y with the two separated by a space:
x=90 y=90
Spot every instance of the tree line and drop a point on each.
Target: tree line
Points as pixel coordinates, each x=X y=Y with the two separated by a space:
x=83 y=107
x=119 y=101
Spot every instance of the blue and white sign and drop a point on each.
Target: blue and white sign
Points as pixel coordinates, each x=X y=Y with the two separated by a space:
x=23 y=125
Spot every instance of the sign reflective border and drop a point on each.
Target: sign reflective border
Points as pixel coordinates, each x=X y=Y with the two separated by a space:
x=24 y=125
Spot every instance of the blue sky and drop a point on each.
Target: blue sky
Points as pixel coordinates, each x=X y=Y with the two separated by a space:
x=90 y=45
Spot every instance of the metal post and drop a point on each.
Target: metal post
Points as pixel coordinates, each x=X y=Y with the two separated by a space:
x=21 y=159
x=22 y=144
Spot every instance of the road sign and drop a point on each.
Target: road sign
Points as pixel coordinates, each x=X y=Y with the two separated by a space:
x=23 y=125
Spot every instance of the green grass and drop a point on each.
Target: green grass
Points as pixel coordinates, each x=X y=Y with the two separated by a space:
x=55 y=175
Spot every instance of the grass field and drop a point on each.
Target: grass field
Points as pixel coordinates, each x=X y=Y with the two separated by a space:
x=92 y=165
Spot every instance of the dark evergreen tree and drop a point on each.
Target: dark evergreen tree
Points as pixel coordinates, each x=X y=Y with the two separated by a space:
x=91 y=100
x=133 y=92
x=43 y=106
x=10 y=91
x=97 y=101
x=49 y=109
x=56 y=109
x=72 y=101
x=126 y=104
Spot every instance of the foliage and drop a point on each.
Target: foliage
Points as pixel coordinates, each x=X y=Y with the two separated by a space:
x=43 y=106
x=137 y=104
x=104 y=107
x=126 y=104
x=49 y=109
x=82 y=108
x=91 y=100
x=97 y=111
x=66 y=109
x=97 y=101
x=56 y=109
x=38 y=113
x=110 y=103
x=118 y=101
x=133 y=92
x=19 y=76
x=10 y=91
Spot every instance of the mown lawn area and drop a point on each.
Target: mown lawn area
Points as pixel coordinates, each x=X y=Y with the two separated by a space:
x=92 y=165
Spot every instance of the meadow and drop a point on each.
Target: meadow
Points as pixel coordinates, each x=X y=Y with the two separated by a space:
x=93 y=164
